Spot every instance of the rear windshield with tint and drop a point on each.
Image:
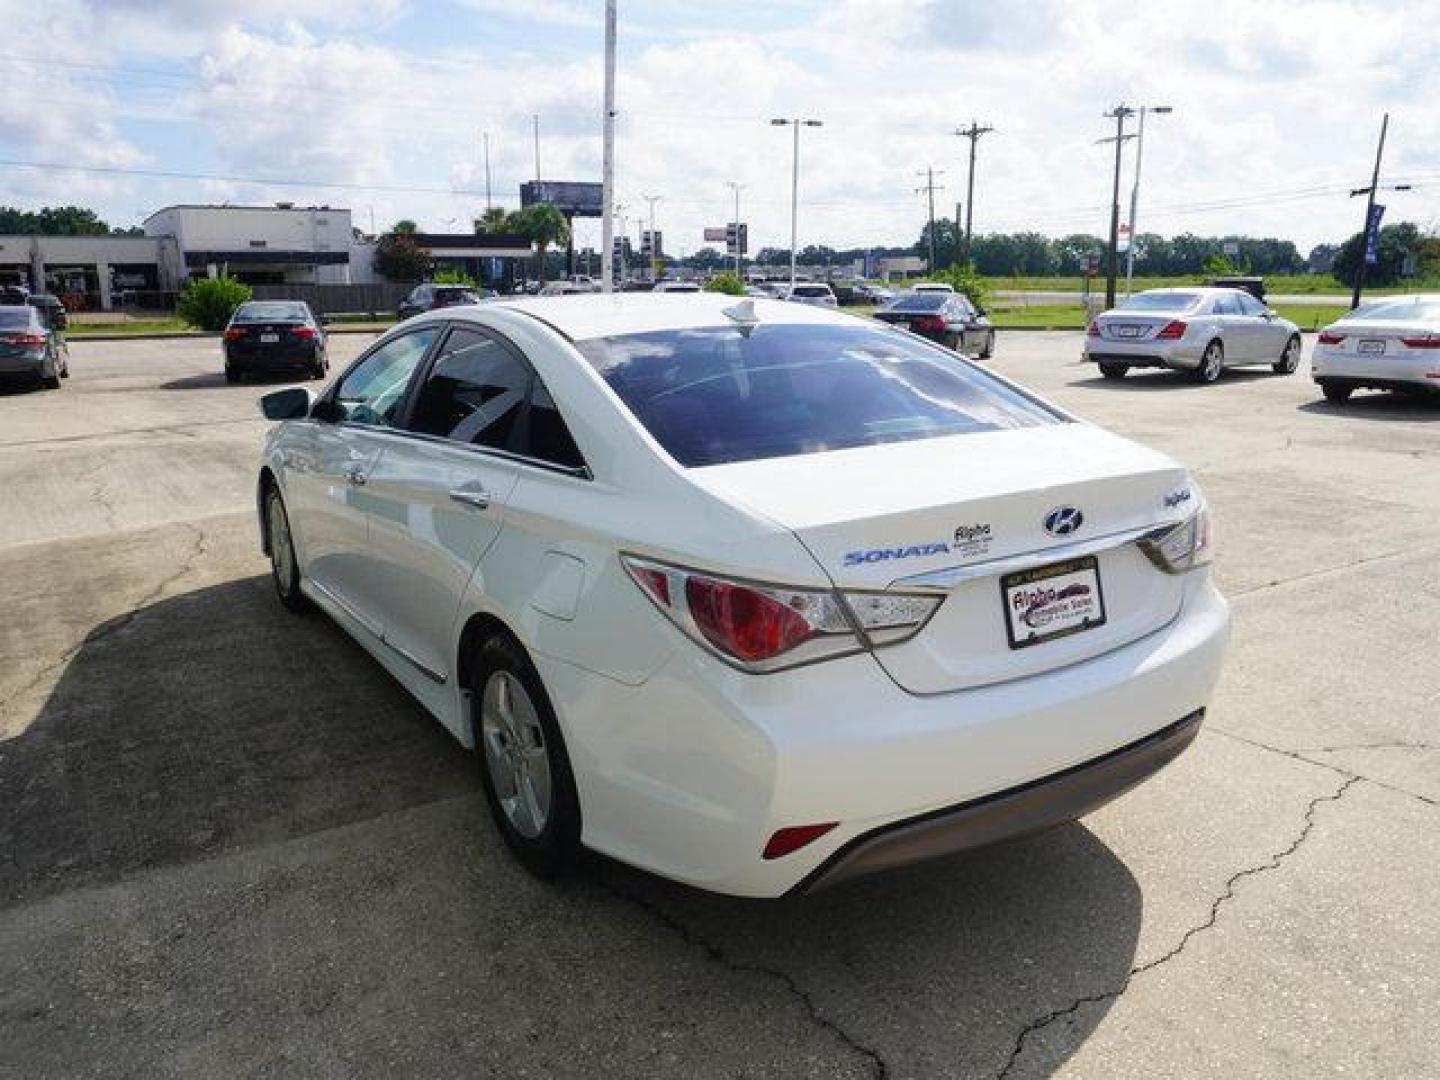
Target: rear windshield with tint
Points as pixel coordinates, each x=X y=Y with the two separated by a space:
x=451 y=296
x=812 y=290
x=1424 y=309
x=715 y=395
x=1160 y=301
x=921 y=301
x=16 y=318
x=271 y=312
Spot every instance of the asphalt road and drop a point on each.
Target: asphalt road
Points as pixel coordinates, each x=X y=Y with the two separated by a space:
x=231 y=846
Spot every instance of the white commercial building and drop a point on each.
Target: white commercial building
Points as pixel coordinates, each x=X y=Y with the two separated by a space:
x=261 y=245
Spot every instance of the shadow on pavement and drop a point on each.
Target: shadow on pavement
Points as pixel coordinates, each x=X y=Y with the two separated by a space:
x=1377 y=405
x=214 y=723
x=216 y=380
x=1143 y=379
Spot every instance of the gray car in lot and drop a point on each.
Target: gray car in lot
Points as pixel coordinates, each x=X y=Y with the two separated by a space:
x=31 y=349
x=1199 y=330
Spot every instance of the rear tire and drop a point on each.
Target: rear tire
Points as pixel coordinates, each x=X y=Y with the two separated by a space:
x=1335 y=393
x=1290 y=358
x=524 y=766
x=232 y=374
x=284 y=567
x=989 y=350
x=1113 y=371
x=1212 y=363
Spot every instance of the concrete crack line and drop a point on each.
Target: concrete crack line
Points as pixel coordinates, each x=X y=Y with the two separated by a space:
x=1227 y=894
x=1398 y=744
x=120 y=622
x=1299 y=755
x=878 y=1066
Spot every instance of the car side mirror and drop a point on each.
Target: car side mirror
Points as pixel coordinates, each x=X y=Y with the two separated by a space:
x=295 y=403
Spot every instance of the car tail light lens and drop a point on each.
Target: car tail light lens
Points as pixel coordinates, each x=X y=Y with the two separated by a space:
x=794 y=838
x=1173 y=331
x=234 y=333
x=1178 y=548
x=764 y=627
x=305 y=332
x=1093 y=330
x=25 y=341
x=1424 y=341
x=1329 y=337
x=930 y=324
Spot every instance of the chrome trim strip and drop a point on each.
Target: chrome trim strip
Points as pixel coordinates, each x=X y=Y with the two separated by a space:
x=424 y=669
x=347 y=609
x=948 y=578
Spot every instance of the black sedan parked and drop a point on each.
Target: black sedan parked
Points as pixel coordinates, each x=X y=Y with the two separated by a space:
x=948 y=318
x=30 y=348
x=429 y=296
x=272 y=336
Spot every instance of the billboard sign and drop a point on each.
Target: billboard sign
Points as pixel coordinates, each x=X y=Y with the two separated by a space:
x=574 y=198
x=716 y=235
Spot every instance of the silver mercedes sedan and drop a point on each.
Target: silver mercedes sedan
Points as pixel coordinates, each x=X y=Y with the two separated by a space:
x=1199 y=330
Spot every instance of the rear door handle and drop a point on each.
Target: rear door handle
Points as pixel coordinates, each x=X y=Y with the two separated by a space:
x=355 y=475
x=479 y=498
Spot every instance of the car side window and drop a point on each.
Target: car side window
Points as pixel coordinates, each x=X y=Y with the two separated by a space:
x=1225 y=305
x=1249 y=305
x=373 y=392
x=480 y=392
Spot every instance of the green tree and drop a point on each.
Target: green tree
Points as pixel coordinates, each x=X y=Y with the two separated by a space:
x=399 y=258
x=542 y=225
x=726 y=283
x=405 y=227
x=53 y=221
x=1396 y=243
x=494 y=220
x=453 y=277
x=208 y=303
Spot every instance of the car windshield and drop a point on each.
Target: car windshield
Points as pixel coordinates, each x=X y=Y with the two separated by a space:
x=271 y=311
x=15 y=318
x=812 y=290
x=1160 y=301
x=721 y=394
x=454 y=296
x=920 y=301
x=1411 y=309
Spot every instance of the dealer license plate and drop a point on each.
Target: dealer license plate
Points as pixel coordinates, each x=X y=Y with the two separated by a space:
x=269 y=339
x=1371 y=346
x=1052 y=601
x=1129 y=331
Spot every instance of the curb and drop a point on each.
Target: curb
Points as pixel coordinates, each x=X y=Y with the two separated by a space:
x=202 y=335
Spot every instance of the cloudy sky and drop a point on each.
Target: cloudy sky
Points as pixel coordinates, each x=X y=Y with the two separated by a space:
x=1277 y=106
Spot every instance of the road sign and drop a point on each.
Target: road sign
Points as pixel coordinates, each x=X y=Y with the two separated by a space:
x=1372 y=234
x=718 y=235
x=1230 y=247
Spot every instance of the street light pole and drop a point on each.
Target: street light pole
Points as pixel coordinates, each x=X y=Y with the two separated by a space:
x=607 y=198
x=1369 y=209
x=794 y=185
x=485 y=137
x=735 y=186
x=652 y=200
x=930 y=188
x=1135 y=189
x=1112 y=262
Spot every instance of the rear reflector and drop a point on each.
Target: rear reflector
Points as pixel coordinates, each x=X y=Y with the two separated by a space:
x=305 y=332
x=794 y=838
x=1093 y=330
x=1173 y=332
x=235 y=333
x=1425 y=341
x=1329 y=337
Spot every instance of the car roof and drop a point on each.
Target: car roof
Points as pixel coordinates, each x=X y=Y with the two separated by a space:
x=594 y=315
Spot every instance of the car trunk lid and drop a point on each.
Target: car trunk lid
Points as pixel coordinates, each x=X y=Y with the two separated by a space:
x=959 y=516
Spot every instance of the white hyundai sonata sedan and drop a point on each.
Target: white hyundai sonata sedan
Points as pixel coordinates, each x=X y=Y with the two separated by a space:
x=750 y=594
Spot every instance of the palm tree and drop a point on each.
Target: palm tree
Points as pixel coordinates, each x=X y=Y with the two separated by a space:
x=494 y=220
x=542 y=225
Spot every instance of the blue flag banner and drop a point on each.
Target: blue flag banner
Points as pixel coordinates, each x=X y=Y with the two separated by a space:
x=1372 y=234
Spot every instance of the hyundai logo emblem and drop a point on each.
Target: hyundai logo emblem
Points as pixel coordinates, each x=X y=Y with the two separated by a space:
x=1064 y=520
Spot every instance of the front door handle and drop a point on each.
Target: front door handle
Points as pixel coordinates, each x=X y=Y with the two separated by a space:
x=355 y=475
x=479 y=498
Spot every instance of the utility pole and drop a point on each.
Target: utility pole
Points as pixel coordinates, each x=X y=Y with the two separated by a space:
x=607 y=196
x=537 y=143
x=654 y=254
x=1112 y=262
x=485 y=138
x=973 y=133
x=929 y=188
x=736 y=186
x=1369 y=193
x=794 y=184
x=1135 y=190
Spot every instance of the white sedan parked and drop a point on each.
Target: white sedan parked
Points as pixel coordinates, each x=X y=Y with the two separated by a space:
x=1390 y=344
x=751 y=594
x=1199 y=330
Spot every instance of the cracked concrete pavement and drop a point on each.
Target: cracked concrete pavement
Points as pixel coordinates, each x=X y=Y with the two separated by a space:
x=230 y=846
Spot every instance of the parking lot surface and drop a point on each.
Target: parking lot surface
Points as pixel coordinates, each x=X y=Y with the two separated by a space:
x=231 y=846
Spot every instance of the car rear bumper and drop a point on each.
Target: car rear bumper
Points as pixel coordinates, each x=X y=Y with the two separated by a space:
x=275 y=358
x=1033 y=807
x=690 y=773
x=1179 y=355
x=1410 y=372
x=30 y=363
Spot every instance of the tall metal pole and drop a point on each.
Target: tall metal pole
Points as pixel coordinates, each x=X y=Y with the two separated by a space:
x=973 y=133
x=486 y=138
x=654 y=255
x=735 y=186
x=1112 y=262
x=794 y=201
x=1135 y=191
x=1369 y=209
x=929 y=189
x=607 y=197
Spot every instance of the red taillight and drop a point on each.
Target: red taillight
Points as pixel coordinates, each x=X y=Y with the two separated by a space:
x=1425 y=341
x=742 y=622
x=794 y=838
x=1093 y=330
x=656 y=582
x=930 y=324
x=306 y=332
x=235 y=333
x=1329 y=337
x=1173 y=332
x=26 y=341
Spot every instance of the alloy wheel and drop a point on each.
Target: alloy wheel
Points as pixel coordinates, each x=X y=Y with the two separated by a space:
x=515 y=753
